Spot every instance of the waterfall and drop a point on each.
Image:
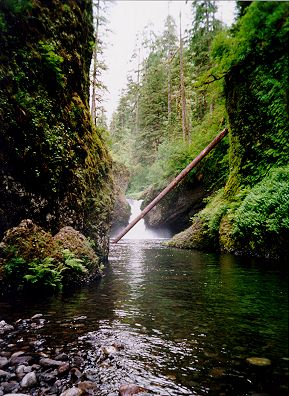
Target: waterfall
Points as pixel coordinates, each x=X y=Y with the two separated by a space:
x=140 y=231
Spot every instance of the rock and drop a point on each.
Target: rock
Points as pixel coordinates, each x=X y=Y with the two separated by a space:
x=64 y=368
x=75 y=374
x=91 y=374
x=77 y=361
x=37 y=316
x=20 y=358
x=72 y=392
x=20 y=371
x=16 y=354
x=259 y=361
x=29 y=380
x=62 y=356
x=5 y=374
x=130 y=390
x=3 y=361
x=46 y=362
x=49 y=377
x=10 y=387
x=80 y=318
x=109 y=350
x=87 y=387
x=4 y=327
x=77 y=243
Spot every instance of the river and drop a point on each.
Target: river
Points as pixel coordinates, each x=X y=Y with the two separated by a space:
x=186 y=321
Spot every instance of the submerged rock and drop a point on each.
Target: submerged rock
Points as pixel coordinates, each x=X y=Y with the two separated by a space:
x=259 y=361
x=130 y=390
x=29 y=380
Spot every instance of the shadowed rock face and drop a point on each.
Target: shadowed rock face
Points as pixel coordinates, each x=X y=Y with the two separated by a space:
x=121 y=211
x=54 y=167
x=177 y=208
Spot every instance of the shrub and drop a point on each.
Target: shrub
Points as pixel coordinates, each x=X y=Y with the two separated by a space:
x=265 y=210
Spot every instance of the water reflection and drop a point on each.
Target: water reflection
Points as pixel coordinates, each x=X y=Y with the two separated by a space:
x=187 y=320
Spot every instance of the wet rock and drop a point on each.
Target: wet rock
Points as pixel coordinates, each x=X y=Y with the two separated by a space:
x=109 y=350
x=4 y=327
x=20 y=371
x=46 y=362
x=49 y=377
x=29 y=380
x=14 y=361
x=10 y=387
x=3 y=361
x=4 y=374
x=259 y=361
x=5 y=354
x=62 y=356
x=64 y=368
x=13 y=394
x=75 y=374
x=14 y=358
x=80 y=318
x=90 y=374
x=72 y=392
x=37 y=316
x=88 y=387
x=130 y=390
x=77 y=361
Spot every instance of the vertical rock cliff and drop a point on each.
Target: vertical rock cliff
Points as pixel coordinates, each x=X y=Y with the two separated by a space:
x=54 y=167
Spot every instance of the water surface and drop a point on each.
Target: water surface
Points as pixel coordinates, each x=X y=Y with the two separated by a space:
x=187 y=320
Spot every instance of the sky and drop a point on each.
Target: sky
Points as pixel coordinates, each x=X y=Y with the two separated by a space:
x=127 y=19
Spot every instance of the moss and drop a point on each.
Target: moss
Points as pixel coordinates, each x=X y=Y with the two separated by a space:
x=31 y=257
x=195 y=237
x=55 y=166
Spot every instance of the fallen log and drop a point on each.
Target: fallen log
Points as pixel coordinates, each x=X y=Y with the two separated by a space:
x=173 y=184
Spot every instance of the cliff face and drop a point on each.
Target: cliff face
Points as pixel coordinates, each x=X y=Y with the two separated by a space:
x=54 y=168
x=250 y=214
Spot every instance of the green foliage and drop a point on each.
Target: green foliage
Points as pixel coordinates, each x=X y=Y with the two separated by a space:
x=44 y=273
x=17 y=6
x=14 y=270
x=48 y=272
x=3 y=25
x=72 y=263
x=212 y=214
x=52 y=60
x=265 y=210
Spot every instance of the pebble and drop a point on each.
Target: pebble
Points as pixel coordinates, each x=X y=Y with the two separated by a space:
x=3 y=361
x=72 y=392
x=130 y=390
x=4 y=374
x=29 y=380
x=259 y=361
x=37 y=316
x=87 y=387
x=13 y=394
x=50 y=362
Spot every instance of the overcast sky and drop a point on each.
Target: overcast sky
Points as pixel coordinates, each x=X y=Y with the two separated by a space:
x=127 y=19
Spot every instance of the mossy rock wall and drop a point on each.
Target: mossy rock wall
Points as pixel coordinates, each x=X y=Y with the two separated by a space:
x=250 y=215
x=54 y=166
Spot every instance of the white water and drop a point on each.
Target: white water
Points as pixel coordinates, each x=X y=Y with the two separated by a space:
x=140 y=231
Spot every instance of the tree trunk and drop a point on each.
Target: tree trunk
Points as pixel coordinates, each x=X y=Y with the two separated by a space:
x=94 y=73
x=174 y=183
x=183 y=92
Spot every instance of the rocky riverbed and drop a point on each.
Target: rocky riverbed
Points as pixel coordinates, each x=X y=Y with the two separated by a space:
x=29 y=365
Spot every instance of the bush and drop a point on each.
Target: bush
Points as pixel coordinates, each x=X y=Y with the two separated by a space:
x=265 y=210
